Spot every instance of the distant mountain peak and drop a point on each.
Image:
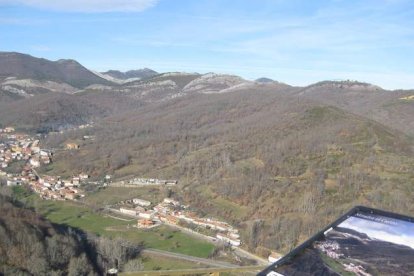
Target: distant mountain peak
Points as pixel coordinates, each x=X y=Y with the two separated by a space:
x=347 y=84
x=177 y=74
x=5 y=54
x=68 y=61
x=143 y=73
x=264 y=80
x=68 y=71
x=213 y=83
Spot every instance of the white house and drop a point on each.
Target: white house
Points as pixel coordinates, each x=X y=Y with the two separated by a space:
x=12 y=183
x=83 y=176
x=146 y=214
x=128 y=211
x=141 y=202
x=35 y=163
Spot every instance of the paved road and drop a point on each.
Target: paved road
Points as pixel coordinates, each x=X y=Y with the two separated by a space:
x=243 y=270
x=246 y=254
x=208 y=262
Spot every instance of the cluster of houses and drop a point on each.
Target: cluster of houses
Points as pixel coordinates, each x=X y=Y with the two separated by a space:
x=171 y=211
x=67 y=129
x=152 y=181
x=21 y=147
x=7 y=130
x=139 y=182
x=56 y=188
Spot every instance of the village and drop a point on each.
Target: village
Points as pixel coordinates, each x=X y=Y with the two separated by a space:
x=23 y=148
x=19 y=147
x=172 y=212
x=137 y=182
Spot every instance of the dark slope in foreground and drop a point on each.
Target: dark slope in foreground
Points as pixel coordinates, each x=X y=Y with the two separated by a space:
x=30 y=245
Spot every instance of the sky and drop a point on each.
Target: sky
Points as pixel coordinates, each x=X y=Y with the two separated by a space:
x=298 y=42
x=399 y=232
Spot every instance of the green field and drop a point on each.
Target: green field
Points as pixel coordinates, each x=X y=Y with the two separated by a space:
x=65 y=212
x=76 y=215
x=166 y=238
x=112 y=195
x=161 y=263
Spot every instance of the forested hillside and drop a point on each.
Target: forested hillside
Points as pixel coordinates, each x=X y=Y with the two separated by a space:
x=278 y=165
x=277 y=161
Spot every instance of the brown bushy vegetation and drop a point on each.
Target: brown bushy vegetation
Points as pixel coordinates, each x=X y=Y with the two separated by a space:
x=54 y=112
x=31 y=245
x=277 y=161
x=276 y=164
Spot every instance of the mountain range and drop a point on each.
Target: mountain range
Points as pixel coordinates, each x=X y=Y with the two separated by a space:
x=391 y=258
x=67 y=71
x=23 y=76
x=277 y=161
x=131 y=74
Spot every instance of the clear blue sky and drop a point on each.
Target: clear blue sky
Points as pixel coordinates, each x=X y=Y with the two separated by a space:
x=297 y=42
